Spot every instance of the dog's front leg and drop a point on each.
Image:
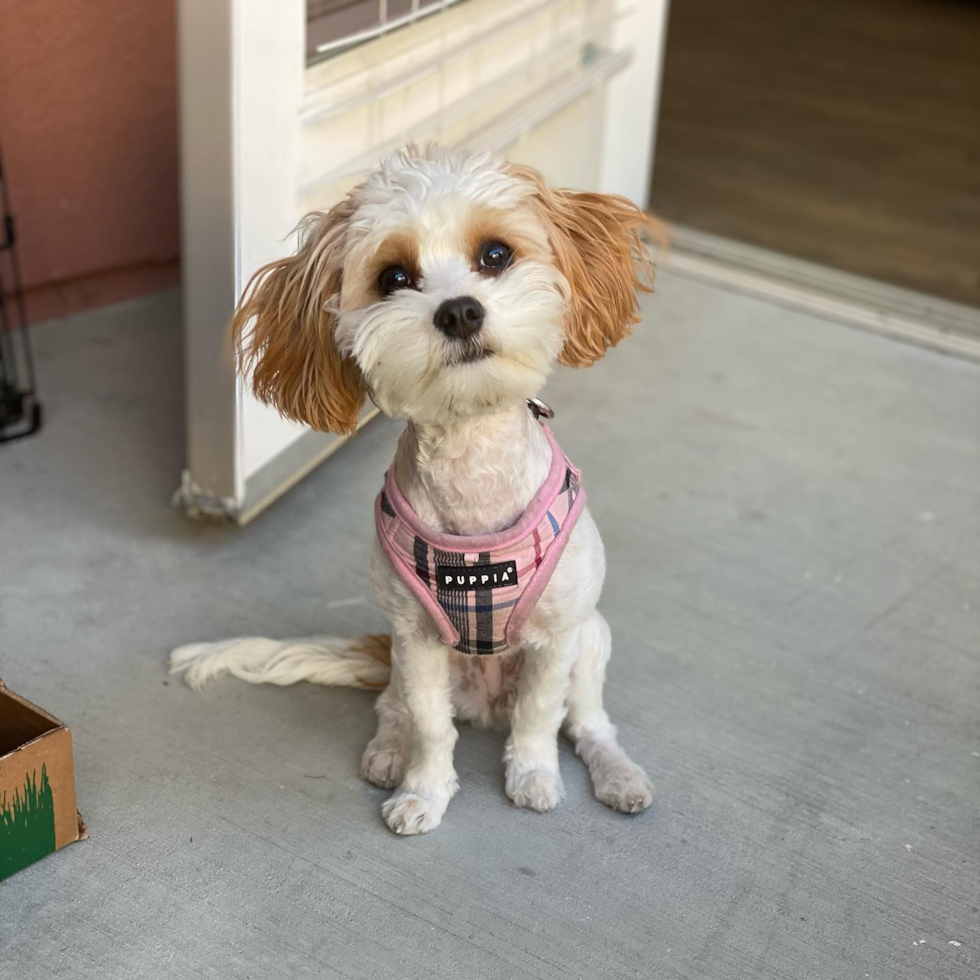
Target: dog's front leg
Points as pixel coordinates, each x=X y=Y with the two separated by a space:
x=532 y=778
x=430 y=780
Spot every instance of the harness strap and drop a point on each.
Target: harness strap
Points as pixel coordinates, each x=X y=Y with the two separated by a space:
x=480 y=590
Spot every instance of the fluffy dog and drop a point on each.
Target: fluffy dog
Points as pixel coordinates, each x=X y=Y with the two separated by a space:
x=445 y=288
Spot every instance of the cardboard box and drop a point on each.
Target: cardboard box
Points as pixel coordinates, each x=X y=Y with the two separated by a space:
x=37 y=784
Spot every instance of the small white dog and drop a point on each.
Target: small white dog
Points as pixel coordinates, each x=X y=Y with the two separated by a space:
x=445 y=288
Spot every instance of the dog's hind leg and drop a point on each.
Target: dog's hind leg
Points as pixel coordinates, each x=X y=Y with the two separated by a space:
x=387 y=754
x=618 y=781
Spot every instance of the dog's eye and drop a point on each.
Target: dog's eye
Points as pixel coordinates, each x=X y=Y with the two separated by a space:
x=395 y=277
x=495 y=256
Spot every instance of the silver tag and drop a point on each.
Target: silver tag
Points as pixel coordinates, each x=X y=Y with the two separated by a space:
x=539 y=409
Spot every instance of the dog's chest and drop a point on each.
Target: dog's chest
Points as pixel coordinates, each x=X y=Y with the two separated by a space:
x=481 y=491
x=483 y=688
x=466 y=503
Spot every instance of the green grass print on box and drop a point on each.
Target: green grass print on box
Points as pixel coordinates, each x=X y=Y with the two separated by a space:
x=26 y=824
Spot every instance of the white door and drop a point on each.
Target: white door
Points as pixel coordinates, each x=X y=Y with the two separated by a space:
x=286 y=103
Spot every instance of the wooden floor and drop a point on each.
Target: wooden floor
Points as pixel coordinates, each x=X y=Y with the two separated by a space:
x=841 y=132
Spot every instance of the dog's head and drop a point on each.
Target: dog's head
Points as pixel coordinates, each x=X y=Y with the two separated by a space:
x=445 y=285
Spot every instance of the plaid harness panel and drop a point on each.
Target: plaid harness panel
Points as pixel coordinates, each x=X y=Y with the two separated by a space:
x=479 y=591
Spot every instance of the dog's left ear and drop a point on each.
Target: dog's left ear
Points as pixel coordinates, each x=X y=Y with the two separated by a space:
x=595 y=241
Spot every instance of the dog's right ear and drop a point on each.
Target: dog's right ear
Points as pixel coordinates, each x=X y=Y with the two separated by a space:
x=290 y=349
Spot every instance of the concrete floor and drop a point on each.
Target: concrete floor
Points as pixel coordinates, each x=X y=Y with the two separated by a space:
x=792 y=512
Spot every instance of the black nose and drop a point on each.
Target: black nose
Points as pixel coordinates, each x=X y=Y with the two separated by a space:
x=460 y=317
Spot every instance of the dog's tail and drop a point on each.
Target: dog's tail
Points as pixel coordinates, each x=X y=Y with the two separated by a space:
x=363 y=661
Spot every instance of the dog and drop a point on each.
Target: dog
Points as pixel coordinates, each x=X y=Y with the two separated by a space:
x=445 y=288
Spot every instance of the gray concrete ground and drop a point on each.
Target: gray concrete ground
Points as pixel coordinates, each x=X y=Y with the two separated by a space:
x=792 y=512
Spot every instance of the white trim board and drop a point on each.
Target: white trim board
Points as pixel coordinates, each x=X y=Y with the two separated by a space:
x=285 y=470
x=267 y=484
x=859 y=302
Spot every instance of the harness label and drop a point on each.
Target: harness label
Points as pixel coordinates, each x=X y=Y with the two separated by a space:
x=470 y=578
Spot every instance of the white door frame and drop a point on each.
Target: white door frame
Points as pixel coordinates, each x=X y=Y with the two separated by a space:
x=241 y=87
x=633 y=101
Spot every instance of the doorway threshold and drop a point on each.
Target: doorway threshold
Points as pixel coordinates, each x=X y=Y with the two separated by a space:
x=903 y=314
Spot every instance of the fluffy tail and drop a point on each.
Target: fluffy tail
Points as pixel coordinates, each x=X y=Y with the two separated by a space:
x=363 y=661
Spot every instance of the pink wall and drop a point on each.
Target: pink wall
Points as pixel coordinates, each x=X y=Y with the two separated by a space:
x=88 y=130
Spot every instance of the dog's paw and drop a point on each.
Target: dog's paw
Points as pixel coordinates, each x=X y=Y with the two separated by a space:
x=537 y=789
x=384 y=761
x=409 y=813
x=626 y=788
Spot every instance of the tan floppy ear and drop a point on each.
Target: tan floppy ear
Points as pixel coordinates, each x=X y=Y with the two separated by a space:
x=595 y=241
x=290 y=348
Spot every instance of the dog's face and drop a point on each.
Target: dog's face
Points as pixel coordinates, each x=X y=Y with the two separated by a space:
x=450 y=302
x=444 y=286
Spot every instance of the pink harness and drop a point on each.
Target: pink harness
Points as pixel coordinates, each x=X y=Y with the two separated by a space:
x=480 y=590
